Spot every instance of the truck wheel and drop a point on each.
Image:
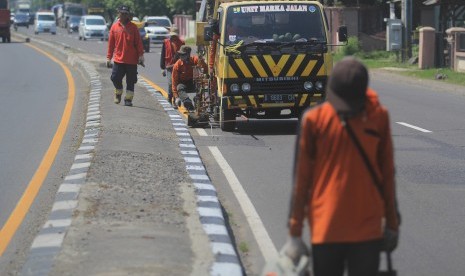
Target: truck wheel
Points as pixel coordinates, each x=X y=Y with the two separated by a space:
x=227 y=119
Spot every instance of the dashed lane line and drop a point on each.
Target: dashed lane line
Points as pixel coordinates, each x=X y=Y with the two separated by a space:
x=414 y=127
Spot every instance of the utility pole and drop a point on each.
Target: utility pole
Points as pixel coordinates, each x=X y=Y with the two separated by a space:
x=407 y=22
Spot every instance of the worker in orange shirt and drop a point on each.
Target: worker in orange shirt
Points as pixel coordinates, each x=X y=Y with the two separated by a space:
x=348 y=197
x=183 y=76
x=126 y=50
x=169 y=56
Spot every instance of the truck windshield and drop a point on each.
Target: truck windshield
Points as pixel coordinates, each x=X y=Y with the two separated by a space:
x=75 y=11
x=274 y=23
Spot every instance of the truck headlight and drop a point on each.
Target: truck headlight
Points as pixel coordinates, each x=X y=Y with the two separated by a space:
x=246 y=87
x=234 y=87
x=308 y=85
x=319 y=85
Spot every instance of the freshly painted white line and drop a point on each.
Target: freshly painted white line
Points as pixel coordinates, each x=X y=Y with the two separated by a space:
x=175 y=116
x=76 y=176
x=203 y=186
x=199 y=177
x=182 y=133
x=181 y=128
x=215 y=229
x=86 y=148
x=222 y=248
x=83 y=156
x=57 y=223
x=201 y=132
x=80 y=165
x=210 y=212
x=187 y=145
x=225 y=269
x=414 y=127
x=93 y=117
x=64 y=205
x=207 y=199
x=179 y=124
x=90 y=140
x=48 y=240
x=191 y=152
x=192 y=160
x=258 y=229
x=185 y=140
x=89 y=125
x=69 y=188
x=195 y=167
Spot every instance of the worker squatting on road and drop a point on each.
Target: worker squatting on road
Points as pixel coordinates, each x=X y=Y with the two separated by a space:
x=126 y=50
x=349 y=200
x=183 y=76
x=168 y=58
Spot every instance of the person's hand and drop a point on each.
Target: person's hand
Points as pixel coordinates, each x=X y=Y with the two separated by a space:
x=108 y=63
x=295 y=248
x=142 y=61
x=391 y=239
x=177 y=102
x=163 y=73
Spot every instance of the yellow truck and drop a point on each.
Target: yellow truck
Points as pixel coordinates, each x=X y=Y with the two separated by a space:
x=268 y=59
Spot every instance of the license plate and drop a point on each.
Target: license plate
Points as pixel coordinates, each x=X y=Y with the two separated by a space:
x=279 y=98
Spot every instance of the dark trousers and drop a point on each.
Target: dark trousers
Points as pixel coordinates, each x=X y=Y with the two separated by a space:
x=119 y=71
x=361 y=259
x=169 y=72
x=184 y=88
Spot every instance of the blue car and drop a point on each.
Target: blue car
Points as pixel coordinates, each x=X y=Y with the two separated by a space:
x=21 y=19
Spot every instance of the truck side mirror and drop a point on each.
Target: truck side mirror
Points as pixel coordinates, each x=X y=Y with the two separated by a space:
x=208 y=33
x=342 y=33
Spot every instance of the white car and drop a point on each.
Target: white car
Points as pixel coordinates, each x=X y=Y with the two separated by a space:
x=45 y=23
x=157 y=28
x=93 y=26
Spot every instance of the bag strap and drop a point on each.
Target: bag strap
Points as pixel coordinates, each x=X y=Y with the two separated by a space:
x=346 y=125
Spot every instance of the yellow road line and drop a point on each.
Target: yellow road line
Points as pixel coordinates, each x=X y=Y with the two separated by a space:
x=23 y=205
x=165 y=94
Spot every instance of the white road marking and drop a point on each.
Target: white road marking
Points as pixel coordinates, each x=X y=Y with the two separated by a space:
x=414 y=127
x=201 y=132
x=264 y=241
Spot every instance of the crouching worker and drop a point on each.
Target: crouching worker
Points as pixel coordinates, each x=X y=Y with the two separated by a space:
x=183 y=76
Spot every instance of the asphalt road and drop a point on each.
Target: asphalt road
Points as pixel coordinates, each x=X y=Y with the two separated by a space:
x=29 y=117
x=34 y=92
x=430 y=169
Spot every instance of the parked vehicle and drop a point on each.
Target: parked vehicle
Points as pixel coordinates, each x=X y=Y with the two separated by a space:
x=21 y=19
x=73 y=23
x=66 y=10
x=45 y=23
x=5 y=25
x=23 y=6
x=157 y=28
x=12 y=18
x=93 y=26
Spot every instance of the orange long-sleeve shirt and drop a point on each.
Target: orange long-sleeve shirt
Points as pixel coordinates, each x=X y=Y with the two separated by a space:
x=333 y=186
x=125 y=43
x=184 y=72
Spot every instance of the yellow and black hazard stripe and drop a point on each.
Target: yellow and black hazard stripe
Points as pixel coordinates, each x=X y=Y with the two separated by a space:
x=263 y=66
